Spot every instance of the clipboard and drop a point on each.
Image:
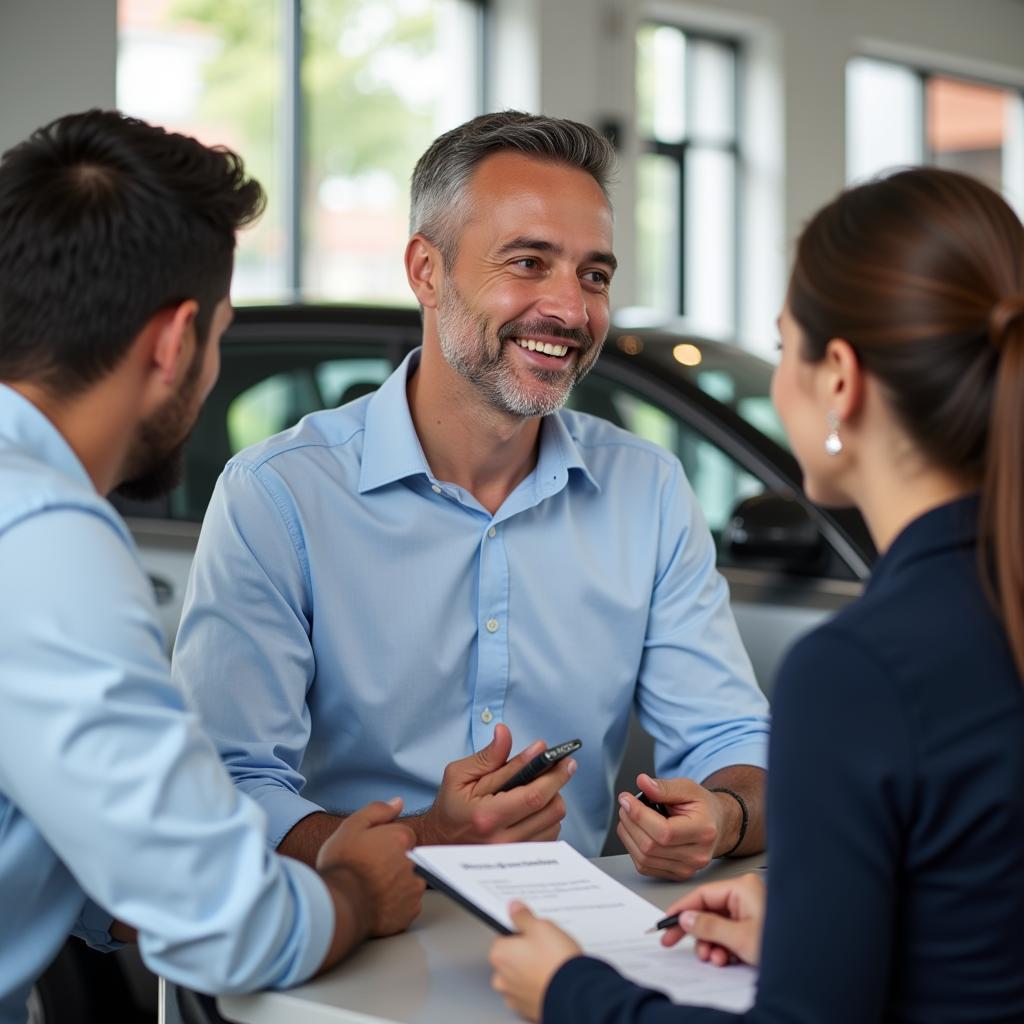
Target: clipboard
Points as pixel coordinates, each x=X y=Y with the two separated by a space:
x=608 y=919
x=442 y=886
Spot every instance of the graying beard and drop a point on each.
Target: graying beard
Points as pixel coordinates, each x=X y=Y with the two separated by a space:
x=500 y=390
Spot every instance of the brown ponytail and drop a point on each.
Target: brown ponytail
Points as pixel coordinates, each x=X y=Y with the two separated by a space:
x=1002 y=504
x=922 y=273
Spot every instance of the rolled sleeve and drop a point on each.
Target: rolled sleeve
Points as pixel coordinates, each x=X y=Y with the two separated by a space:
x=283 y=808
x=98 y=751
x=310 y=896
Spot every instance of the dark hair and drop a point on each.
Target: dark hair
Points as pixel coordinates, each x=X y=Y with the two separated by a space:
x=442 y=175
x=104 y=221
x=922 y=273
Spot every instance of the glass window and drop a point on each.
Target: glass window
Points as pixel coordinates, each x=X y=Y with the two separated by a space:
x=280 y=401
x=657 y=227
x=214 y=69
x=710 y=242
x=329 y=102
x=718 y=481
x=967 y=126
x=737 y=379
x=268 y=407
x=661 y=83
x=897 y=115
x=687 y=184
x=883 y=117
x=265 y=388
x=382 y=79
x=712 y=97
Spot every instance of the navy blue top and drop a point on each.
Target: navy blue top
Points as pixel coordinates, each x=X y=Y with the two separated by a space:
x=895 y=813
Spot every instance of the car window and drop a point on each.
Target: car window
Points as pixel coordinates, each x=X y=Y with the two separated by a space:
x=732 y=389
x=264 y=388
x=738 y=379
x=717 y=479
x=281 y=400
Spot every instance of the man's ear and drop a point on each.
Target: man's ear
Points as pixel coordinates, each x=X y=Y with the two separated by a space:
x=424 y=267
x=844 y=379
x=173 y=341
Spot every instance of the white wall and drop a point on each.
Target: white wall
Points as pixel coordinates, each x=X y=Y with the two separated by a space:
x=56 y=56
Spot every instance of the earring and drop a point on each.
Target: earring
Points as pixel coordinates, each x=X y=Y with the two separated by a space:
x=833 y=443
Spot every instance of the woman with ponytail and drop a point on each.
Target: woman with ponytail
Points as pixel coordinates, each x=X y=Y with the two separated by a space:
x=896 y=782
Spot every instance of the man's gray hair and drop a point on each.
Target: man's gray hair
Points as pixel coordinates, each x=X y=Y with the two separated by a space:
x=442 y=175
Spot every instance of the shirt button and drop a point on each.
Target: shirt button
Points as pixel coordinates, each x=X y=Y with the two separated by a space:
x=435 y=488
x=486 y=716
x=492 y=625
x=492 y=532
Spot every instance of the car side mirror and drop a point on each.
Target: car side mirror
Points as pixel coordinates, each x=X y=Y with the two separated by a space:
x=775 y=529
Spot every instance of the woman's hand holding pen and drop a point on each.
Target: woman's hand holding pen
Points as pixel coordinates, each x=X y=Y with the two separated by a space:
x=524 y=964
x=726 y=918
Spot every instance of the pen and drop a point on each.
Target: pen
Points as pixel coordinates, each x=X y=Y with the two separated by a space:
x=673 y=919
x=666 y=922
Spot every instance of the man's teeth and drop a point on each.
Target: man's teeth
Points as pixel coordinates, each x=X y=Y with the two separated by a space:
x=542 y=346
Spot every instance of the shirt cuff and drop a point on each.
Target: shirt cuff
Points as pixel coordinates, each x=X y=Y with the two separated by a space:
x=93 y=927
x=283 y=809
x=316 y=908
x=752 y=752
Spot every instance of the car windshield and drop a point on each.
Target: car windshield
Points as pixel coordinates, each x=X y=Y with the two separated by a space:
x=730 y=375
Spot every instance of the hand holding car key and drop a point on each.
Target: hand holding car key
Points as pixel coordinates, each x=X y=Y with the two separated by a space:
x=541 y=763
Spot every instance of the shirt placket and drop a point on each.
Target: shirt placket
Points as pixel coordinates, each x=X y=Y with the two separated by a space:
x=492 y=636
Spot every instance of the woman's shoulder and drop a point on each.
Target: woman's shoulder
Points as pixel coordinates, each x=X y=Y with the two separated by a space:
x=839 y=714
x=828 y=666
x=919 y=632
x=853 y=670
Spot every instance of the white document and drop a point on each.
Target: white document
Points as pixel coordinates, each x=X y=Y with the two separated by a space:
x=602 y=915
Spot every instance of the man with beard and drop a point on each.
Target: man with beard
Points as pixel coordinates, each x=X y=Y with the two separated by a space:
x=410 y=580
x=116 y=251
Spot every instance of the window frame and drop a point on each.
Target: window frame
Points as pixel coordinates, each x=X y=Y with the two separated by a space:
x=924 y=73
x=679 y=153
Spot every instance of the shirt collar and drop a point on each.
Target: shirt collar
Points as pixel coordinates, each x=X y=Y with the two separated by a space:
x=24 y=426
x=392 y=450
x=560 y=453
x=949 y=526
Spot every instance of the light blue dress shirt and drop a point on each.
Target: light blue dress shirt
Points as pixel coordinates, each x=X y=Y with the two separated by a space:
x=110 y=794
x=352 y=623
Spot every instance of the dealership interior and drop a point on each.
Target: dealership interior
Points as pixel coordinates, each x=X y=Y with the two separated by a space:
x=729 y=124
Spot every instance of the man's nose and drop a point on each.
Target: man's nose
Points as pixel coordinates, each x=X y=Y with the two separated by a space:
x=564 y=300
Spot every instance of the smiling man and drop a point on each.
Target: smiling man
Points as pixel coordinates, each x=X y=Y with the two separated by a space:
x=387 y=593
